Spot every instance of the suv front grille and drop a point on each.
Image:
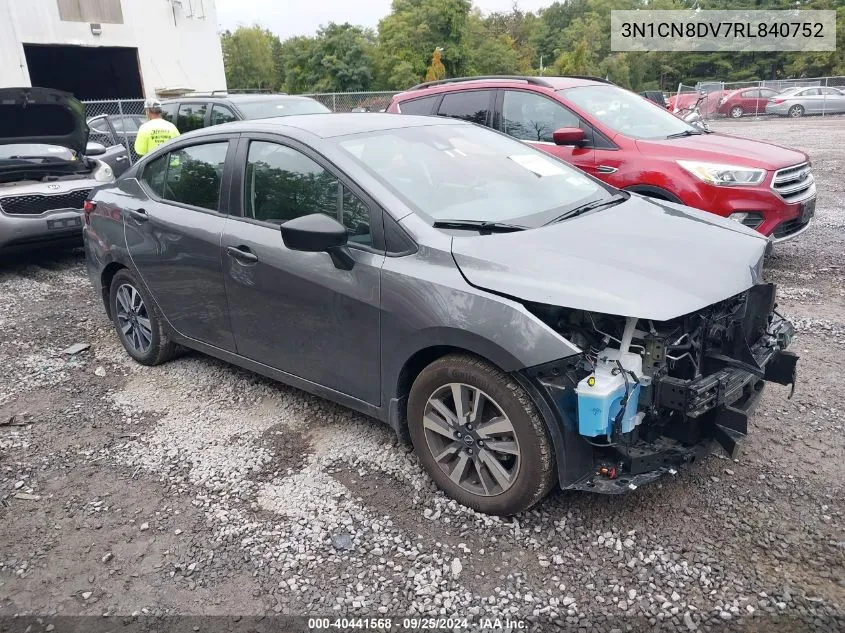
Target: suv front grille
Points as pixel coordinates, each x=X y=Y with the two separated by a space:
x=789 y=227
x=36 y=204
x=794 y=183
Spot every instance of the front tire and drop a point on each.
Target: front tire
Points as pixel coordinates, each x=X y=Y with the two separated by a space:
x=736 y=112
x=479 y=436
x=139 y=325
x=796 y=111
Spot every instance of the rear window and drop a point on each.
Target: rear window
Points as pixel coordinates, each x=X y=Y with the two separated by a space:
x=469 y=105
x=283 y=106
x=418 y=106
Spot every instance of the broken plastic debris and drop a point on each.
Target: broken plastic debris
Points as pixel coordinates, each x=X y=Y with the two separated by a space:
x=76 y=348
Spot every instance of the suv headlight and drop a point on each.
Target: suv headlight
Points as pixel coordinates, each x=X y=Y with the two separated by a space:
x=103 y=173
x=723 y=175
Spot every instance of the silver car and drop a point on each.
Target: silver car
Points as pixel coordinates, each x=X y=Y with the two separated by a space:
x=797 y=102
x=47 y=167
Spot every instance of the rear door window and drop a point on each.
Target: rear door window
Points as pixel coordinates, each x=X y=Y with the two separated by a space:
x=469 y=105
x=168 y=111
x=191 y=116
x=221 y=114
x=418 y=106
x=532 y=117
x=194 y=175
x=154 y=174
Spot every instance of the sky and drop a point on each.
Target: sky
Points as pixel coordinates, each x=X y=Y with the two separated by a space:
x=286 y=18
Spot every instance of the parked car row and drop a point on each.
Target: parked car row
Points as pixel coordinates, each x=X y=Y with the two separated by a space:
x=793 y=102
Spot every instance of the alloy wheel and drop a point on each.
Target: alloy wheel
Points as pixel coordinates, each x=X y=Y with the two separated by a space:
x=796 y=111
x=736 y=112
x=133 y=319
x=471 y=439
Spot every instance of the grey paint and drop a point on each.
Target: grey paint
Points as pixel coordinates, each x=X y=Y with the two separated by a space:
x=346 y=335
x=176 y=251
x=296 y=312
x=642 y=258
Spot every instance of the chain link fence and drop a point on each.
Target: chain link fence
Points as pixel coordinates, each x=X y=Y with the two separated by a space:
x=823 y=96
x=115 y=122
x=354 y=101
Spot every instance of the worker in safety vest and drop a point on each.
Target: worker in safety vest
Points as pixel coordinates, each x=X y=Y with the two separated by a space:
x=155 y=131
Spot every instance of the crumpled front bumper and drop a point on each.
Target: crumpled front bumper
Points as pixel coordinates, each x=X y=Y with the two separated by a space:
x=713 y=408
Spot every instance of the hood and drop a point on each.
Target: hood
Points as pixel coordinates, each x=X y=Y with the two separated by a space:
x=641 y=258
x=726 y=149
x=42 y=115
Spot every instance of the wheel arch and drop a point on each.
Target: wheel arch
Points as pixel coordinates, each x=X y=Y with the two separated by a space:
x=653 y=191
x=432 y=345
x=106 y=277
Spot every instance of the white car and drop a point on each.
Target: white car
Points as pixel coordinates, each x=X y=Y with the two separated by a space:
x=47 y=167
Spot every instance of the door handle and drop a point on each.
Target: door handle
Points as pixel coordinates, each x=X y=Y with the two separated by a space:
x=606 y=169
x=242 y=254
x=120 y=159
x=139 y=214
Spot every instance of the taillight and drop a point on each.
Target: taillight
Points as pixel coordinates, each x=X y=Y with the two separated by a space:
x=778 y=101
x=87 y=207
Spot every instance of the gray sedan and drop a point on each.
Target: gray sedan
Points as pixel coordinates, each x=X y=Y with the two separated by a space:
x=520 y=322
x=796 y=102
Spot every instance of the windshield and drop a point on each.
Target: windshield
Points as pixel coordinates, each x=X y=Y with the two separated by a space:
x=38 y=151
x=283 y=106
x=465 y=172
x=626 y=113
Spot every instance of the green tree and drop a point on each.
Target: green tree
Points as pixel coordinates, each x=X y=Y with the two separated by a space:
x=344 y=55
x=413 y=29
x=249 y=58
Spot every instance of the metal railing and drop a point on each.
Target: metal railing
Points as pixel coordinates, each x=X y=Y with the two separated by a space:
x=722 y=100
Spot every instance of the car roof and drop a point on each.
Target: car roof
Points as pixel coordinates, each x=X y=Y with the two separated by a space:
x=330 y=124
x=473 y=83
x=248 y=97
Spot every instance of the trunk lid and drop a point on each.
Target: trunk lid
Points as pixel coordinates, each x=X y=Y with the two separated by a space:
x=42 y=115
x=641 y=258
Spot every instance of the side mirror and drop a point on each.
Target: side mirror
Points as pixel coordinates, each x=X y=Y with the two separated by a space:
x=318 y=233
x=569 y=136
x=95 y=149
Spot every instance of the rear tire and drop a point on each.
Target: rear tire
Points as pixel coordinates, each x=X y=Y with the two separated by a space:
x=139 y=324
x=796 y=111
x=736 y=112
x=492 y=453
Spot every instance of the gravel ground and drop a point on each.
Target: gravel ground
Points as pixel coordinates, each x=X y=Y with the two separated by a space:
x=199 y=488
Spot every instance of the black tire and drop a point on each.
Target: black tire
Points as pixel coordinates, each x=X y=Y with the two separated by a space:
x=160 y=348
x=536 y=470
x=737 y=112
x=796 y=111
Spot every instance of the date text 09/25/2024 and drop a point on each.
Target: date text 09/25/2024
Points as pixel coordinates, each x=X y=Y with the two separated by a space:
x=415 y=624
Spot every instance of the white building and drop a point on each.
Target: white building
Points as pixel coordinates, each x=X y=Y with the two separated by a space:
x=108 y=49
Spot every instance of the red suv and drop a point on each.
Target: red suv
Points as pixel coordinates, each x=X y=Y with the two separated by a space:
x=633 y=144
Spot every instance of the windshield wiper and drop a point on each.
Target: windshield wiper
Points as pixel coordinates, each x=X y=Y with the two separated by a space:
x=590 y=206
x=482 y=226
x=685 y=133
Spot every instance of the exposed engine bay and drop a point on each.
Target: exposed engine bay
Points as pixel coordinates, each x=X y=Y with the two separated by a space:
x=647 y=395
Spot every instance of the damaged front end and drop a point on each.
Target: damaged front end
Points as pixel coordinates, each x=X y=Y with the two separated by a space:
x=647 y=396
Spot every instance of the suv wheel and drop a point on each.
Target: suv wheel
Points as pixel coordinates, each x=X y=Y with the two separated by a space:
x=479 y=436
x=796 y=111
x=736 y=112
x=138 y=322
